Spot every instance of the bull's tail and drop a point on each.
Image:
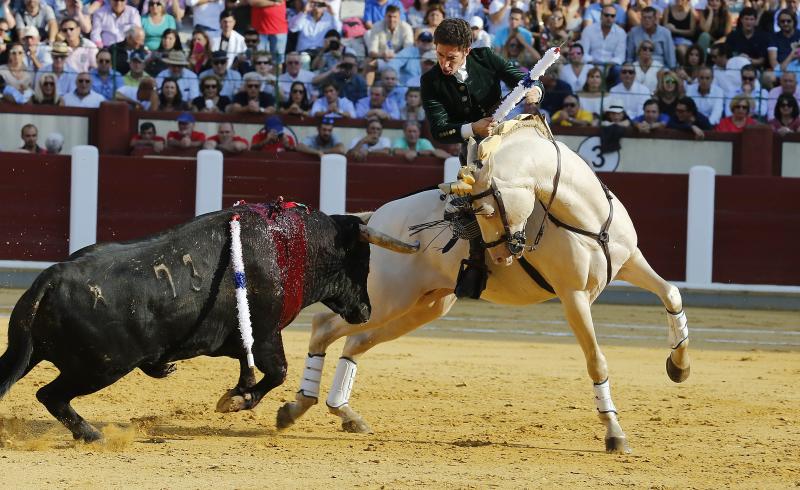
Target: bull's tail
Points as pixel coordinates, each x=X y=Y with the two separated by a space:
x=14 y=362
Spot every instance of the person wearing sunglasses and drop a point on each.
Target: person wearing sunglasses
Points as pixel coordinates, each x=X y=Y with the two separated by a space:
x=662 y=50
x=82 y=52
x=252 y=99
x=787 y=86
x=741 y=107
x=785 y=41
x=604 y=43
x=686 y=118
x=647 y=69
x=786 y=115
x=105 y=80
x=112 y=21
x=46 y=92
x=210 y=99
x=155 y=21
x=632 y=93
x=298 y=103
x=571 y=114
x=751 y=87
x=83 y=95
x=231 y=80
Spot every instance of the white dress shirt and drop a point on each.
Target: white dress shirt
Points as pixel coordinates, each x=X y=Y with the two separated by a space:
x=604 y=49
x=710 y=104
x=312 y=32
x=91 y=101
x=633 y=98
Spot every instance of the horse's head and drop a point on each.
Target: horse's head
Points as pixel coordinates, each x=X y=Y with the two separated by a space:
x=502 y=204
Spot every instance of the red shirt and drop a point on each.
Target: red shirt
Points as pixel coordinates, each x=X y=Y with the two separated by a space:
x=215 y=139
x=275 y=147
x=137 y=138
x=726 y=125
x=196 y=136
x=269 y=20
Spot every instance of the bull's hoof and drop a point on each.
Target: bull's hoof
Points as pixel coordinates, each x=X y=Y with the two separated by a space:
x=676 y=374
x=356 y=426
x=284 y=419
x=158 y=370
x=617 y=445
x=234 y=401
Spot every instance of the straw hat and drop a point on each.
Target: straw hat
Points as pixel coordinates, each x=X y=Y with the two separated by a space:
x=176 y=57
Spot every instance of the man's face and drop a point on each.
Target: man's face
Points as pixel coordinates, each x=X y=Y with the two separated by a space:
x=31 y=5
x=609 y=16
x=648 y=21
x=651 y=113
x=137 y=66
x=118 y=6
x=148 y=134
x=104 y=63
x=571 y=106
x=29 y=136
x=71 y=32
x=413 y=99
x=424 y=46
x=514 y=21
x=263 y=65
x=682 y=113
x=788 y=82
x=389 y=80
x=83 y=84
x=227 y=24
x=317 y=9
x=785 y=23
x=392 y=20
x=31 y=42
x=376 y=97
x=719 y=59
x=575 y=54
x=325 y=132
x=450 y=58
x=225 y=132
x=330 y=94
x=704 y=79
x=251 y=41
x=136 y=40
x=185 y=128
x=749 y=77
x=253 y=87
x=748 y=22
x=293 y=65
x=220 y=66
x=176 y=70
x=59 y=62
x=627 y=74
x=411 y=133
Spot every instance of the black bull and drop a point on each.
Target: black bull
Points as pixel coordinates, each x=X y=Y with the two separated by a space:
x=112 y=308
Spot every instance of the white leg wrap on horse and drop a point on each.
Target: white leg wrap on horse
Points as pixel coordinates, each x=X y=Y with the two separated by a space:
x=342 y=383
x=678 y=329
x=309 y=384
x=602 y=397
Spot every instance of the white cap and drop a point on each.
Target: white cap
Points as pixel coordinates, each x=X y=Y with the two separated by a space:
x=476 y=21
x=614 y=104
x=30 y=31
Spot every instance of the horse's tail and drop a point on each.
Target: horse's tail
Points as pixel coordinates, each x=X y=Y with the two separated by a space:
x=17 y=357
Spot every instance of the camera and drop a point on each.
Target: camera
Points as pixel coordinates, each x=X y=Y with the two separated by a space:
x=334 y=45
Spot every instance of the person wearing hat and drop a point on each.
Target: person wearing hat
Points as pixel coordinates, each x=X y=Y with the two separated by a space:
x=65 y=75
x=615 y=112
x=480 y=38
x=231 y=79
x=345 y=75
x=177 y=68
x=121 y=51
x=406 y=62
x=136 y=64
x=37 y=54
x=272 y=138
x=324 y=142
x=185 y=137
x=459 y=96
x=226 y=140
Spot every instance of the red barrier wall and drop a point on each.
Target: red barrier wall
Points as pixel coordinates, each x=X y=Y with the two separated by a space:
x=34 y=214
x=141 y=196
x=379 y=180
x=756 y=230
x=295 y=177
x=657 y=205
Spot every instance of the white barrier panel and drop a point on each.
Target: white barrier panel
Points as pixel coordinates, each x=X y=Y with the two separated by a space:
x=700 y=226
x=83 y=197
x=451 y=166
x=208 y=186
x=333 y=184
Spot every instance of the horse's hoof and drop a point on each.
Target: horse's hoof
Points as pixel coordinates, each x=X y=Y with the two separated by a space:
x=232 y=401
x=617 y=445
x=284 y=418
x=676 y=374
x=356 y=426
x=89 y=435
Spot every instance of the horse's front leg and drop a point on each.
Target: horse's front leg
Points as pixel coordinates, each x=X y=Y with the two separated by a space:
x=578 y=313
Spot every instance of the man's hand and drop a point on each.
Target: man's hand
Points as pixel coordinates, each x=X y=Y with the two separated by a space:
x=534 y=95
x=252 y=106
x=482 y=127
x=698 y=133
x=643 y=127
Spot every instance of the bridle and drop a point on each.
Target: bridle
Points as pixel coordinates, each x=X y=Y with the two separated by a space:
x=515 y=241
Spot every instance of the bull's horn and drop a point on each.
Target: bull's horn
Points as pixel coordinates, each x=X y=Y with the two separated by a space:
x=383 y=240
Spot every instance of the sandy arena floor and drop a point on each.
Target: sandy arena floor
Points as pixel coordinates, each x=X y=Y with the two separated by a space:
x=491 y=397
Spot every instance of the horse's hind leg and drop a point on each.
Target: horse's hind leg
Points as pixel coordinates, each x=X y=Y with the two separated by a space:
x=577 y=309
x=639 y=273
x=430 y=307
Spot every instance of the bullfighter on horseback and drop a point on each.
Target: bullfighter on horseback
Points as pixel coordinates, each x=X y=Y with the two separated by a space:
x=459 y=96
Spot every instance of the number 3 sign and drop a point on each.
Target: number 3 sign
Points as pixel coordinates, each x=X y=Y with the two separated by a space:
x=589 y=150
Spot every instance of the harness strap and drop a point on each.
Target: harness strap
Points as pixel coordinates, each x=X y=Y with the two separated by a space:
x=556 y=179
x=535 y=275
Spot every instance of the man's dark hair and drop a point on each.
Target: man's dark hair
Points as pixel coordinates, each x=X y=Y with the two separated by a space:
x=516 y=10
x=453 y=32
x=225 y=14
x=689 y=103
x=650 y=10
x=330 y=84
x=333 y=33
x=750 y=68
x=251 y=31
x=789 y=13
x=392 y=9
x=649 y=102
x=147 y=125
x=748 y=11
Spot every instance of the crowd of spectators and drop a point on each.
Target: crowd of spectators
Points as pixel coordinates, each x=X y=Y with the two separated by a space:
x=693 y=65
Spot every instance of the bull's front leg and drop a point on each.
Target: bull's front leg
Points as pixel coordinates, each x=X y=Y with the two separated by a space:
x=271 y=360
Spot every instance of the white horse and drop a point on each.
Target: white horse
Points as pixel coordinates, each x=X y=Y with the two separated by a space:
x=408 y=291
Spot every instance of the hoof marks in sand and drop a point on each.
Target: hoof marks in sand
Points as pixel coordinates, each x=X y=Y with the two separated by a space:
x=675 y=373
